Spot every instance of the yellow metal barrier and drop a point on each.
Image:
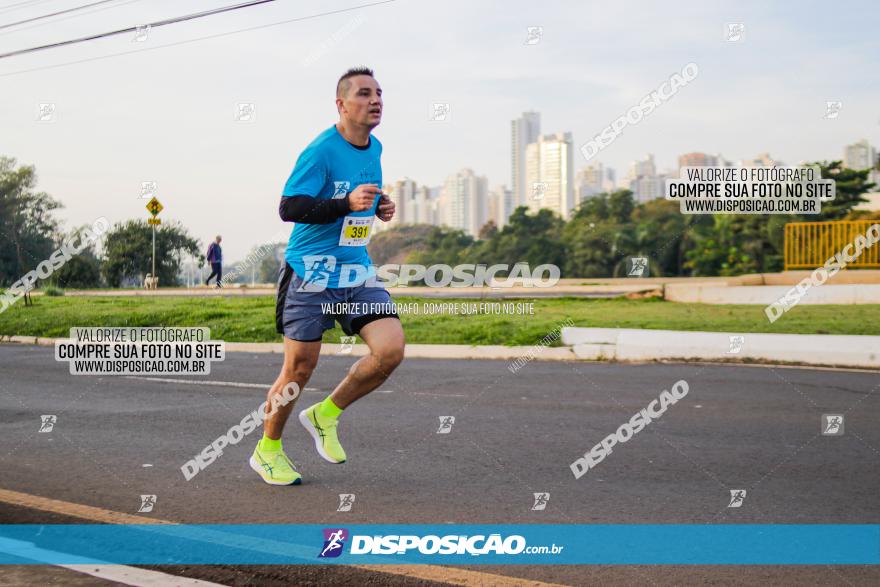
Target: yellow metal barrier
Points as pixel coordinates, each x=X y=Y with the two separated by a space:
x=809 y=244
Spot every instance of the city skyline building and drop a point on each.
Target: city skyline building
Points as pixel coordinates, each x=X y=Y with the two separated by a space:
x=862 y=155
x=465 y=201
x=593 y=179
x=501 y=205
x=644 y=181
x=550 y=173
x=523 y=131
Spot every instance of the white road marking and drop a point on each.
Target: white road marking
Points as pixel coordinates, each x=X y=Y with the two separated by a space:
x=761 y=366
x=138 y=577
x=267 y=385
x=118 y=573
x=437 y=574
x=217 y=383
x=438 y=394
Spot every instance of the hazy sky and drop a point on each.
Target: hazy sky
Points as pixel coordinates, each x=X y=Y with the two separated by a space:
x=167 y=114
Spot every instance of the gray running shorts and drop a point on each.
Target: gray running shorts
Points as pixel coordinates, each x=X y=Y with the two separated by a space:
x=304 y=315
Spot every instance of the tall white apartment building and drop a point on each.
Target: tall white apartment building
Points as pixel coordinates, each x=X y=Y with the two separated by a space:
x=523 y=131
x=423 y=204
x=465 y=201
x=501 y=205
x=862 y=155
x=550 y=173
x=404 y=196
x=644 y=181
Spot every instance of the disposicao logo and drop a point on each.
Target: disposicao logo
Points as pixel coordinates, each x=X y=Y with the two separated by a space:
x=334 y=541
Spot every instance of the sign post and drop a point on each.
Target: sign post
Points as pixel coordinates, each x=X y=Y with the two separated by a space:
x=154 y=207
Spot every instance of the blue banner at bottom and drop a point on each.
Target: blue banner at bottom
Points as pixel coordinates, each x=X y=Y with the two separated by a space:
x=525 y=544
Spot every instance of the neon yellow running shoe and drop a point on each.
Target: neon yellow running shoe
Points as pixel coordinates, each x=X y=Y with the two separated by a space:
x=274 y=467
x=323 y=430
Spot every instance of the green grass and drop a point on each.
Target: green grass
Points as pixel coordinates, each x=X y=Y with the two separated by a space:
x=253 y=319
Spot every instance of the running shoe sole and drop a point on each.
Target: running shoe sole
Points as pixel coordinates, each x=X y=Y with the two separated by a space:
x=319 y=446
x=256 y=467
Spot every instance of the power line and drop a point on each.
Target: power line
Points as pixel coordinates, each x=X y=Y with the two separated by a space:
x=15 y=6
x=39 y=24
x=187 y=41
x=27 y=20
x=158 y=23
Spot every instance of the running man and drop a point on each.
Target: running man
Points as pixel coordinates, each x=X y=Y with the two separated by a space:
x=333 y=196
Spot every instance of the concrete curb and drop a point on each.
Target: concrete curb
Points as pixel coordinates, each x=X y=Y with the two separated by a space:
x=424 y=351
x=486 y=292
x=764 y=295
x=28 y=340
x=462 y=351
x=623 y=345
x=413 y=351
x=652 y=345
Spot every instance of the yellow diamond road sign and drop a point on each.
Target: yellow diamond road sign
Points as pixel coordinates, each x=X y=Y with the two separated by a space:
x=154 y=206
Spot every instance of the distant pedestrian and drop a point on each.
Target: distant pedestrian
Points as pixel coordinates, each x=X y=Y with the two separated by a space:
x=215 y=258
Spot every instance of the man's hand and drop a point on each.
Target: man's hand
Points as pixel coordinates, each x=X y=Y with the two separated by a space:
x=386 y=209
x=363 y=196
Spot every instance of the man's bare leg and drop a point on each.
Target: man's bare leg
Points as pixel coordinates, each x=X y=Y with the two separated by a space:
x=268 y=459
x=385 y=339
x=300 y=359
x=386 y=342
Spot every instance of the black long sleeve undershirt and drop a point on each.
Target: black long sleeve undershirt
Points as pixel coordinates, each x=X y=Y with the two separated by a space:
x=309 y=210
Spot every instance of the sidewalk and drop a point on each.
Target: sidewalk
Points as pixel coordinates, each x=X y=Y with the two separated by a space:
x=596 y=290
x=413 y=351
x=626 y=345
x=619 y=344
x=849 y=287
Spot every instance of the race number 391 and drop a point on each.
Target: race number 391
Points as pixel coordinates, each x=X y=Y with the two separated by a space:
x=355 y=231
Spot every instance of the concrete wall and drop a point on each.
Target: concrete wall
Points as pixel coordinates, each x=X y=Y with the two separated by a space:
x=784 y=278
x=847 y=276
x=651 y=345
x=767 y=294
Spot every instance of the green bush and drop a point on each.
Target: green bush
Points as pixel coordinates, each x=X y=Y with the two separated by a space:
x=53 y=291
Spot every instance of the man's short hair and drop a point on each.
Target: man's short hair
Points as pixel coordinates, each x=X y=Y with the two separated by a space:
x=343 y=85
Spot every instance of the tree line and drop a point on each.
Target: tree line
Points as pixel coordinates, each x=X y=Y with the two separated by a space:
x=30 y=233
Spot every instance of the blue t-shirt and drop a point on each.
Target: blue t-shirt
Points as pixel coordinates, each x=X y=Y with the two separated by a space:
x=331 y=167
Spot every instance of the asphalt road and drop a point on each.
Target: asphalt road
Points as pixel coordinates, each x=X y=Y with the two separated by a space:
x=739 y=427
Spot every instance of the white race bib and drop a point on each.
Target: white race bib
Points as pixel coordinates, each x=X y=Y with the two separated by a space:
x=356 y=231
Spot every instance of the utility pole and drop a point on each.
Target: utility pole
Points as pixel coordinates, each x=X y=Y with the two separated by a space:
x=154 y=207
x=154 y=250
